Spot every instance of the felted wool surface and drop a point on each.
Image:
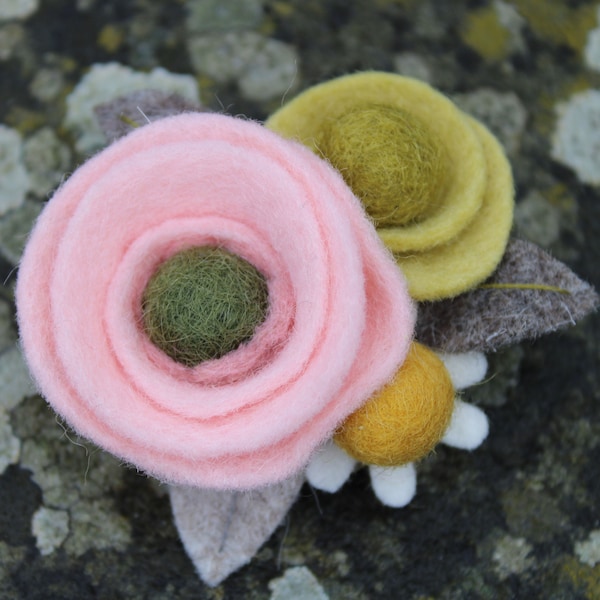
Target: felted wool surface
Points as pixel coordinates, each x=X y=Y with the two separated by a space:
x=203 y=303
x=394 y=486
x=339 y=322
x=450 y=269
x=222 y=530
x=403 y=421
x=329 y=468
x=449 y=236
x=488 y=319
x=468 y=427
x=465 y=369
x=117 y=117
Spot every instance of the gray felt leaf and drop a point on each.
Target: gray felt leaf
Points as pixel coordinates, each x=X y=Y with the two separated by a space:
x=487 y=319
x=116 y=117
x=222 y=530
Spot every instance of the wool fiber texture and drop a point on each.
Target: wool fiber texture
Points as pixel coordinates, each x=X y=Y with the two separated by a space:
x=405 y=420
x=469 y=427
x=465 y=369
x=203 y=303
x=339 y=322
x=450 y=269
x=117 y=117
x=394 y=486
x=444 y=242
x=222 y=530
x=488 y=319
x=329 y=468
x=390 y=161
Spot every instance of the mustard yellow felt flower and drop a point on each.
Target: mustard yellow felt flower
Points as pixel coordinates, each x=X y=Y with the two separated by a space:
x=434 y=180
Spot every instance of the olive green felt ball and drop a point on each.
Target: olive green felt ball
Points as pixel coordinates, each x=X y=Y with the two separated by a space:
x=203 y=303
x=391 y=161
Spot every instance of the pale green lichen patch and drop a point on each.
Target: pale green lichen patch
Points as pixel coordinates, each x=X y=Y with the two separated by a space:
x=263 y=68
x=588 y=551
x=10 y=446
x=576 y=140
x=17 y=9
x=15 y=384
x=511 y=556
x=15 y=381
x=592 y=46
x=95 y=524
x=537 y=220
x=227 y=44
x=8 y=334
x=502 y=112
x=298 y=583
x=46 y=159
x=50 y=528
x=75 y=479
x=580 y=438
x=531 y=513
x=11 y=38
x=14 y=229
x=209 y=16
x=14 y=181
x=47 y=84
x=410 y=64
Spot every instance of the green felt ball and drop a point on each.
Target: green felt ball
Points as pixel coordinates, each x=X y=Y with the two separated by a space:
x=203 y=303
x=390 y=160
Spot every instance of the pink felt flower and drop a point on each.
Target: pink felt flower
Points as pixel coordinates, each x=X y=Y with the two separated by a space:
x=338 y=326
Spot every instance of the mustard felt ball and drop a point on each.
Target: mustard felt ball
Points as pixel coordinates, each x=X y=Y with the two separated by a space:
x=390 y=160
x=404 y=420
x=203 y=303
x=449 y=223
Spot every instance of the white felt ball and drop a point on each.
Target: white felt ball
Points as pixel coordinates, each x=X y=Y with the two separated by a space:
x=329 y=468
x=468 y=427
x=394 y=486
x=465 y=369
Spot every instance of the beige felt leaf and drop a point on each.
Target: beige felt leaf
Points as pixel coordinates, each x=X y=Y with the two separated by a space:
x=121 y=115
x=487 y=319
x=222 y=530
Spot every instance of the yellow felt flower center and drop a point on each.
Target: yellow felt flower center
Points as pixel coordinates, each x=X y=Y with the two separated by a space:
x=404 y=420
x=391 y=161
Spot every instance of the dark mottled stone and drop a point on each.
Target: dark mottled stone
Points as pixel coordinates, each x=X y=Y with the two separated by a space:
x=19 y=499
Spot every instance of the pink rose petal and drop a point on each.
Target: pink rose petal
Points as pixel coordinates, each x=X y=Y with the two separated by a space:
x=339 y=324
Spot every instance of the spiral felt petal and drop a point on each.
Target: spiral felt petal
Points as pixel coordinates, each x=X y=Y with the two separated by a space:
x=462 y=241
x=473 y=255
x=338 y=325
x=304 y=117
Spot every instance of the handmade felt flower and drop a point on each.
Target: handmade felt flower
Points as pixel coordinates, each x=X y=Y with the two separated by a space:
x=209 y=302
x=435 y=181
x=168 y=244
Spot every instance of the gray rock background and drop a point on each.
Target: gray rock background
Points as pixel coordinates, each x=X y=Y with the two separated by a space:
x=518 y=518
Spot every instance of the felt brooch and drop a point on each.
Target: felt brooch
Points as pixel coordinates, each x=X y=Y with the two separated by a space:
x=212 y=302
